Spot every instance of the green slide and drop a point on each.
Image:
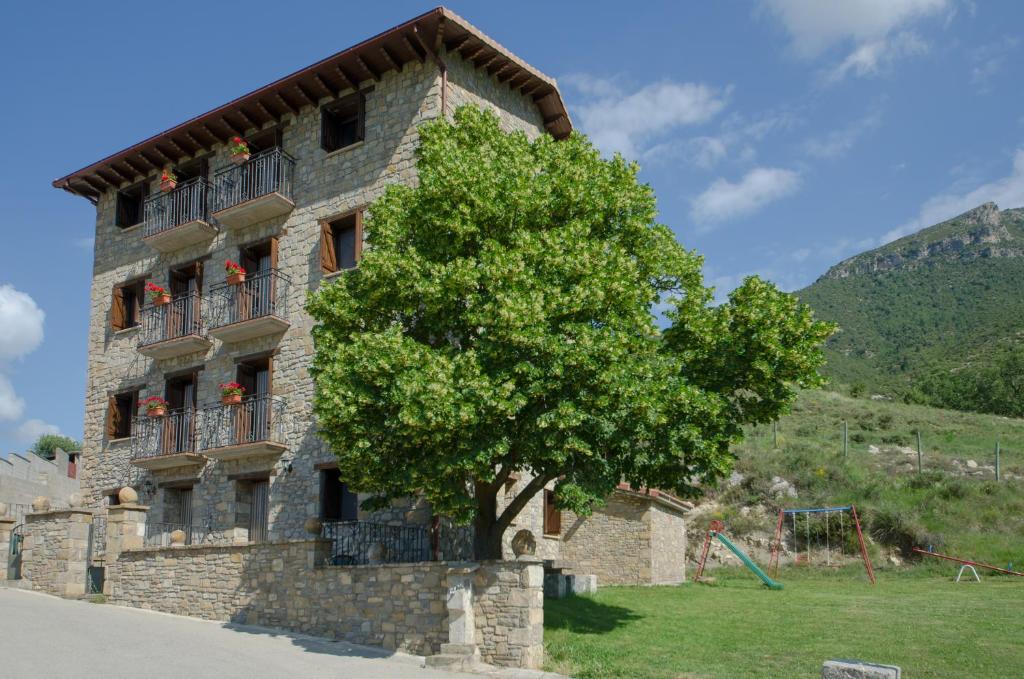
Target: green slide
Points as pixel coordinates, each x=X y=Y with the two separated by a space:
x=771 y=584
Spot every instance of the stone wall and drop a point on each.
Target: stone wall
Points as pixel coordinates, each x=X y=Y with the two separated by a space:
x=396 y=606
x=23 y=478
x=613 y=543
x=56 y=550
x=668 y=544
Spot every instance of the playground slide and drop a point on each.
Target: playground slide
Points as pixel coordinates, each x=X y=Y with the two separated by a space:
x=771 y=584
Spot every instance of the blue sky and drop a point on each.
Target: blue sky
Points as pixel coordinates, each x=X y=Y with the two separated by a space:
x=780 y=135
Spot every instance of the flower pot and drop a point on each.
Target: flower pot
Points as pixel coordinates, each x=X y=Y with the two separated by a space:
x=160 y=300
x=156 y=412
x=239 y=158
x=231 y=399
x=167 y=185
x=236 y=278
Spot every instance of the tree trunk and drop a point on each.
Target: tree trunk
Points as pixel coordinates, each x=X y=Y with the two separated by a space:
x=487 y=532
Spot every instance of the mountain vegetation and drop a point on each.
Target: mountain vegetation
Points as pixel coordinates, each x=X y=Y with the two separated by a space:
x=936 y=317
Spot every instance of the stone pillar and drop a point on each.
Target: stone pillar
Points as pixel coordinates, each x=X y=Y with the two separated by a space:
x=126 y=529
x=461 y=652
x=6 y=526
x=530 y=635
x=56 y=551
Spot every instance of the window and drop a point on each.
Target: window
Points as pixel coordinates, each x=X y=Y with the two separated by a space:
x=337 y=502
x=120 y=411
x=129 y=205
x=341 y=242
x=251 y=508
x=113 y=499
x=552 y=516
x=342 y=123
x=126 y=306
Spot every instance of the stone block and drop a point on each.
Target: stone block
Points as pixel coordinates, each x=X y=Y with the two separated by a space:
x=855 y=669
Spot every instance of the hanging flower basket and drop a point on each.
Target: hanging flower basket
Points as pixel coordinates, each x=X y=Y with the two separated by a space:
x=236 y=274
x=154 y=405
x=239 y=150
x=231 y=393
x=157 y=295
x=168 y=180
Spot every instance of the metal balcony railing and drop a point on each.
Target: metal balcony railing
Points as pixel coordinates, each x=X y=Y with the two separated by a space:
x=266 y=172
x=256 y=419
x=187 y=203
x=262 y=294
x=356 y=543
x=158 y=534
x=172 y=434
x=179 y=318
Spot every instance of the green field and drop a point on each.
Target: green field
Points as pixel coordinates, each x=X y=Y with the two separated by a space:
x=921 y=621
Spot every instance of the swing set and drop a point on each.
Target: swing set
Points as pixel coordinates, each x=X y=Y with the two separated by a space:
x=827 y=513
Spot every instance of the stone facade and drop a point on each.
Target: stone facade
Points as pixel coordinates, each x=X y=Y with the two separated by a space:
x=23 y=478
x=396 y=606
x=635 y=539
x=55 y=553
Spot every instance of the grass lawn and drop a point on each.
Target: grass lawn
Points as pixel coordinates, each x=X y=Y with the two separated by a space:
x=922 y=622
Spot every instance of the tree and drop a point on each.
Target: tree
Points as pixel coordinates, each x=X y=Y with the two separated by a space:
x=46 y=444
x=500 y=322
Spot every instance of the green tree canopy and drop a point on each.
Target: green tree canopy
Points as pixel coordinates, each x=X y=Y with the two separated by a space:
x=500 y=321
x=47 y=443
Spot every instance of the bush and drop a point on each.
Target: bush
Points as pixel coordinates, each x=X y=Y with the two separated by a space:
x=898 y=528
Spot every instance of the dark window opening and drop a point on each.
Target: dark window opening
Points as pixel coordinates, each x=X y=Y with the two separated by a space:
x=342 y=123
x=127 y=303
x=129 y=205
x=337 y=502
x=341 y=243
x=123 y=408
x=198 y=167
x=252 y=501
x=267 y=139
x=552 y=516
x=113 y=500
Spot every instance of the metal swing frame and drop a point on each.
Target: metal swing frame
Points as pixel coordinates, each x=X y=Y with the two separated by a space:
x=773 y=562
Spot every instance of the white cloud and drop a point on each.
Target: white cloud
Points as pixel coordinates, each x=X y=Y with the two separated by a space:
x=873 y=30
x=989 y=61
x=30 y=430
x=835 y=144
x=21 y=323
x=735 y=140
x=627 y=122
x=1006 y=193
x=11 y=407
x=725 y=200
x=871 y=58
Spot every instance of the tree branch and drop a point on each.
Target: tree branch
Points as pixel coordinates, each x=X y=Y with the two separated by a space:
x=524 y=496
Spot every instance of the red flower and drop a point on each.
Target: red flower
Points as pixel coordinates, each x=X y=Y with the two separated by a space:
x=233 y=267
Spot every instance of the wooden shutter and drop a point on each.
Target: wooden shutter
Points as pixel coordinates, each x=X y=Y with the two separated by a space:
x=113 y=418
x=361 y=125
x=273 y=253
x=359 y=237
x=328 y=257
x=328 y=130
x=552 y=516
x=118 y=312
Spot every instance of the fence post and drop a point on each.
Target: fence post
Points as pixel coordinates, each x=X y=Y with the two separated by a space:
x=775 y=434
x=997 y=460
x=919 y=451
x=846 y=438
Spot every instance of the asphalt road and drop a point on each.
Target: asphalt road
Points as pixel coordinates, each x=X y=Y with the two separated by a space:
x=42 y=637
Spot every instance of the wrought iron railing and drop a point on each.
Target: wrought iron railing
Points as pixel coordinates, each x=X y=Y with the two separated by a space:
x=189 y=202
x=257 y=418
x=356 y=543
x=261 y=294
x=158 y=534
x=181 y=317
x=266 y=172
x=171 y=434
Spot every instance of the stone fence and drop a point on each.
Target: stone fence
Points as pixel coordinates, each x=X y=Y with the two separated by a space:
x=458 y=613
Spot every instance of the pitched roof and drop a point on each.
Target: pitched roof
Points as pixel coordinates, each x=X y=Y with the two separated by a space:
x=415 y=40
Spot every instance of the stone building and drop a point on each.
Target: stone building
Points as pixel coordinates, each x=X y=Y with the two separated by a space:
x=23 y=478
x=323 y=143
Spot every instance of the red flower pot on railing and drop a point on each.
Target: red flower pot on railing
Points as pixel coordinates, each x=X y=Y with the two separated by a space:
x=231 y=393
x=168 y=180
x=236 y=274
x=155 y=406
x=157 y=295
x=239 y=150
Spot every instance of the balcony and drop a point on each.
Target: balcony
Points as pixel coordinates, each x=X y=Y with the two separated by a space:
x=174 y=329
x=178 y=218
x=252 y=429
x=166 y=442
x=257 y=190
x=254 y=308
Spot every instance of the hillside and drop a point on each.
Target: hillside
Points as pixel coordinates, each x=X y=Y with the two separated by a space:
x=944 y=300
x=955 y=504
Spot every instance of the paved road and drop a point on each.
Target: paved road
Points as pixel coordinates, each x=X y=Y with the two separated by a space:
x=50 y=638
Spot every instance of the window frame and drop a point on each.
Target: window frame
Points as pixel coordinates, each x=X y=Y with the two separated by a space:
x=330 y=262
x=123 y=195
x=116 y=430
x=330 y=135
x=123 y=316
x=552 y=516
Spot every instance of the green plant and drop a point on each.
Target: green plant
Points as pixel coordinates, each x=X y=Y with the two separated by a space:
x=519 y=337
x=46 y=444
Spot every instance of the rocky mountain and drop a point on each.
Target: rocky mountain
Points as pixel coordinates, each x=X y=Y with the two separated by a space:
x=941 y=304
